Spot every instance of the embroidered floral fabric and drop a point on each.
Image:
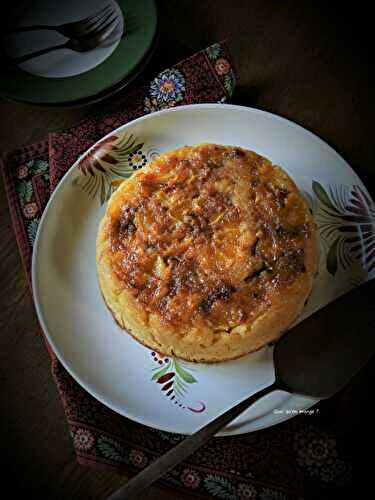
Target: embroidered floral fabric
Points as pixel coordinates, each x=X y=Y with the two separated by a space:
x=282 y=462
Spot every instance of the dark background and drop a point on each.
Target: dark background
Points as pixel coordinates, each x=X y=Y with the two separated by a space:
x=309 y=62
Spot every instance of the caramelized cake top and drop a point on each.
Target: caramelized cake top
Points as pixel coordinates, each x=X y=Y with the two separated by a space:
x=208 y=233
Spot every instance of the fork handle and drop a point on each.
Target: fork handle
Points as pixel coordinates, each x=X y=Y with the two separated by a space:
x=37 y=53
x=34 y=27
x=177 y=454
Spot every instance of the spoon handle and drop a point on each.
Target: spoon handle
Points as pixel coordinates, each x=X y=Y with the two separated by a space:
x=178 y=453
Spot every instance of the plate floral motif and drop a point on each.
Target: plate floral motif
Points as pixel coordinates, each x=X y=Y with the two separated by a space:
x=110 y=161
x=137 y=159
x=346 y=220
x=174 y=378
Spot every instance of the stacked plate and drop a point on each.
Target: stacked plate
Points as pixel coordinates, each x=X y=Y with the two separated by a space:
x=67 y=78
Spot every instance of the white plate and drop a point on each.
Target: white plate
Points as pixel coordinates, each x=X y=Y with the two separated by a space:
x=113 y=367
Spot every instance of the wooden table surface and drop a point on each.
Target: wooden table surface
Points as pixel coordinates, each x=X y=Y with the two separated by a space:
x=307 y=63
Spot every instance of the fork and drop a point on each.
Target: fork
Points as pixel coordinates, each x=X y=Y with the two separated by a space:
x=83 y=44
x=74 y=29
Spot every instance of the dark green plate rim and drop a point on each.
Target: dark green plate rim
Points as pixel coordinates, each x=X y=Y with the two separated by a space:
x=18 y=85
x=105 y=94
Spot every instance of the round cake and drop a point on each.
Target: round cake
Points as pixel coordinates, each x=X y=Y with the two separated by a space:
x=207 y=253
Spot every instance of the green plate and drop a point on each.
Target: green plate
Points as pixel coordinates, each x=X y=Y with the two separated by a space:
x=19 y=85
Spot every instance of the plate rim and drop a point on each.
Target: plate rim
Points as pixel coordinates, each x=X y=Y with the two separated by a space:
x=34 y=263
x=106 y=93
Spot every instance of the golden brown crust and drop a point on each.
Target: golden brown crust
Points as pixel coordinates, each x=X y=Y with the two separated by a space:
x=208 y=253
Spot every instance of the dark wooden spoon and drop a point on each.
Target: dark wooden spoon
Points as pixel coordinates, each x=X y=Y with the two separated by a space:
x=316 y=358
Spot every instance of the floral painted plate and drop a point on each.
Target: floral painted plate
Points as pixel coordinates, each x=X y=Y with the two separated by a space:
x=167 y=393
